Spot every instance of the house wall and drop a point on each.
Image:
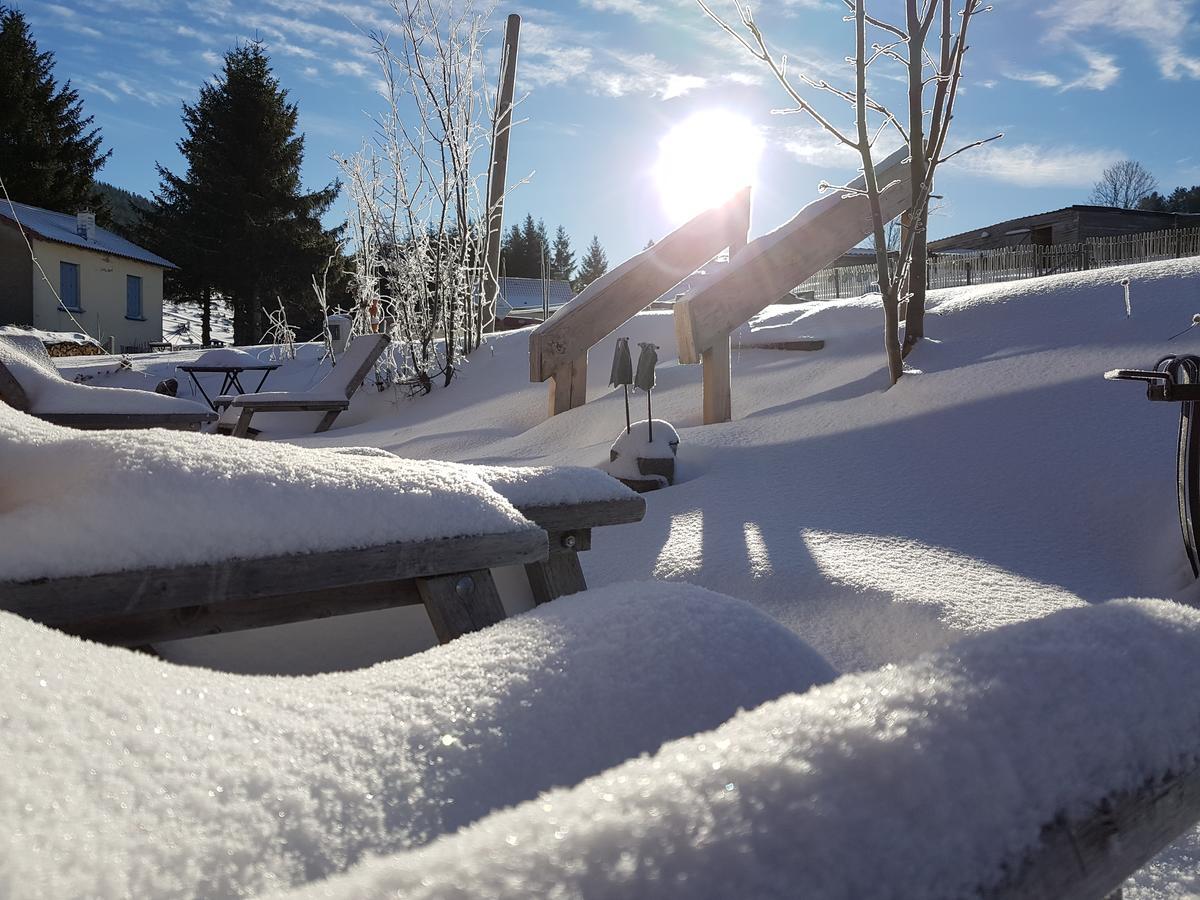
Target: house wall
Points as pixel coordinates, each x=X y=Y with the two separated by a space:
x=1102 y=222
x=101 y=295
x=16 y=279
x=1063 y=225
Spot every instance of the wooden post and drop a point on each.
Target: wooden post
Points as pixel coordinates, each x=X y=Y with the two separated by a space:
x=458 y=604
x=498 y=173
x=837 y=283
x=718 y=400
x=568 y=386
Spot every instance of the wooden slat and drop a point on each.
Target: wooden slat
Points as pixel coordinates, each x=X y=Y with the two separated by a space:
x=302 y=403
x=1091 y=855
x=718 y=392
x=559 y=576
x=11 y=391
x=461 y=603
x=105 y=421
x=620 y=294
x=139 y=628
x=65 y=600
x=773 y=264
x=592 y=514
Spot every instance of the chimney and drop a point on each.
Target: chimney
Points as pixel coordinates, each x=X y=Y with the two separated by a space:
x=85 y=225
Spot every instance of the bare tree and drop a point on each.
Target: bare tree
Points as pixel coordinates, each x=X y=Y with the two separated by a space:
x=418 y=222
x=1124 y=184
x=925 y=134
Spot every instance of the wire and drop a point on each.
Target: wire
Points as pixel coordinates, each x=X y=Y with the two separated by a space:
x=45 y=278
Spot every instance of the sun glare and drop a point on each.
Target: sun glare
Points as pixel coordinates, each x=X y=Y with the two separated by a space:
x=704 y=159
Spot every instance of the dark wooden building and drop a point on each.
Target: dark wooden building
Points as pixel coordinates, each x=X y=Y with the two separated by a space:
x=1069 y=225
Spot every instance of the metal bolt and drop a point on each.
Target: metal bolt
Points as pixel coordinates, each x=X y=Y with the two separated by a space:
x=569 y=541
x=464 y=586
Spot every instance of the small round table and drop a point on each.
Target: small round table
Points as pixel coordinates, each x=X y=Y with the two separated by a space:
x=230 y=380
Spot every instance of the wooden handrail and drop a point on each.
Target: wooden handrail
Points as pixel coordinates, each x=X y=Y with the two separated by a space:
x=558 y=347
x=773 y=264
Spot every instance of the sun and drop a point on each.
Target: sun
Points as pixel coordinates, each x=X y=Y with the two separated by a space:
x=705 y=159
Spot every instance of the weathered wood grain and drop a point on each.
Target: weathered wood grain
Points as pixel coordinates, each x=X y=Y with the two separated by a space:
x=461 y=603
x=568 y=386
x=105 y=421
x=591 y=514
x=774 y=263
x=1089 y=856
x=610 y=301
x=558 y=576
x=62 y=601
x=718 y=391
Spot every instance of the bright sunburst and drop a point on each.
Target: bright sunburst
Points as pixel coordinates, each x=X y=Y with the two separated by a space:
x=704 y=159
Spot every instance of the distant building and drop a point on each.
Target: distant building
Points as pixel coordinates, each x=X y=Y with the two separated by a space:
x=112 y=287
x=1069 y=225
x=523 y=297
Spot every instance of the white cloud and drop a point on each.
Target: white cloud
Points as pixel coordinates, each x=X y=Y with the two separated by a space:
x=1041 y=79
x=641 y=10
x=1101 y=73
x=350 y=67
x=1160 y=25
x=1030 y=165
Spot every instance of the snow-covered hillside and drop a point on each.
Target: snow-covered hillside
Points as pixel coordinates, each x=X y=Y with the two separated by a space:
x=1001 y=480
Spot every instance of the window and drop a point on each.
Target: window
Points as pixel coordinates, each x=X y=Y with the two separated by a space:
x=68 y=285
x=133 y=297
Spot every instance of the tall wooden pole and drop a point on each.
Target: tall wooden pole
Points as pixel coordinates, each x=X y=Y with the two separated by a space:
x=498 y=172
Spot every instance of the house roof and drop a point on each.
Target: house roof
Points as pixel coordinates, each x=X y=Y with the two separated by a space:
x=1078 y=207
x=60 y=228
x=526 y=293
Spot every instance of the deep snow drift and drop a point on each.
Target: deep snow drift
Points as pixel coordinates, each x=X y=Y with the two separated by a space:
x=125 y=776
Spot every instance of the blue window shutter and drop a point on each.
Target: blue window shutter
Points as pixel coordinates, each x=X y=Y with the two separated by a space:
x=133 y=297
x=68 y=284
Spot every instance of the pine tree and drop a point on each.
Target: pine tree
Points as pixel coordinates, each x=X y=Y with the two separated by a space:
x=562 y=258
x=237 y=221
x=595 y=264
x=512 y=252
x=49 y=154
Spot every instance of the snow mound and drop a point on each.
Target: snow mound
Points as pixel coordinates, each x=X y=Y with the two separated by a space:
x=80 y=503
x=922 y=779
x=124 y=776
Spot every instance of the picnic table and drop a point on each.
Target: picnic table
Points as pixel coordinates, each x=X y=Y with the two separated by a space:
x=231 y=382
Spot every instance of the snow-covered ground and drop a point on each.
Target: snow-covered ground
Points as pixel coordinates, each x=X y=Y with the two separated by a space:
x=1000 y=481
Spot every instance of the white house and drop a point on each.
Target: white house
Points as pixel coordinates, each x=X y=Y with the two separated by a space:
x=109 y=287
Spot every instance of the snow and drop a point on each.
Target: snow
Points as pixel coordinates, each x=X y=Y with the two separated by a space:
x=49 y=337
x=919 y=781
x=124 y=776
x=226 y=356
x=49 y=393
x=79 y=503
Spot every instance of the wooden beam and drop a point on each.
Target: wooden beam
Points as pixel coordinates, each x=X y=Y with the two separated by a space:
x=568 y=386
x=590 y=514
x=1090 y=855
x=461 y=603
x=621 y=293
x=559 y=576
x=773 y=264
x=62 y=601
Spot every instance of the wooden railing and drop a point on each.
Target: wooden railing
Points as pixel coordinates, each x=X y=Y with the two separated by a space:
x=558 y=347
x=769 y=267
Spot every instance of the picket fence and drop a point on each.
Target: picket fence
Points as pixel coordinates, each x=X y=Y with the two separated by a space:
x=957 y=268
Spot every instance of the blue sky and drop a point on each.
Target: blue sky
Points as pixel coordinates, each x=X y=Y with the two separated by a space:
x=1073 y=84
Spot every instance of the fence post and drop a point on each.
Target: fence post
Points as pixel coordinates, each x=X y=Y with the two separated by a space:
x=837 y=284
x=968 y=271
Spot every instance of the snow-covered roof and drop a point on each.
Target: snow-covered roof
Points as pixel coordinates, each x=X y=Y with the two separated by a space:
x=60 y=228
x=526 y=293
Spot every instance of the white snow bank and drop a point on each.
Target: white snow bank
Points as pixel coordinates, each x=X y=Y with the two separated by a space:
x=79 y=503
x=915 y=781
x=637 y=443
x=123 y=776
x=226 y=356
x=48 y=393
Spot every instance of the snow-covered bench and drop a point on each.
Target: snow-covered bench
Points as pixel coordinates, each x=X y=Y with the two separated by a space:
x=134 y=540
x=30 y=382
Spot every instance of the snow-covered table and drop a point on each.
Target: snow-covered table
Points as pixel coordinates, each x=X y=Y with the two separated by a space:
x=158 y=536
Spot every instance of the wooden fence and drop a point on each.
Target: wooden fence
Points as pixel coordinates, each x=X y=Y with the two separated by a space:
x=955 y=269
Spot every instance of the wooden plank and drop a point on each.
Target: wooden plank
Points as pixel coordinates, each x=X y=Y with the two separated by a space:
x=568 y=386
x=801 y=344
x=591 y=514
x=498 y=171
x=300 y=402
x=621 y=293
x=11 y=391
x=461 y=603
x=105 y=421
x=64 y=600
x=773 y=264
x=718 y=399
x=136 y=629
x=558 y=576
x=1091 y=855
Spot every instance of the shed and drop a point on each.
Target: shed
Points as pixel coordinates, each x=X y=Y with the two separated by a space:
x=1069 y=225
